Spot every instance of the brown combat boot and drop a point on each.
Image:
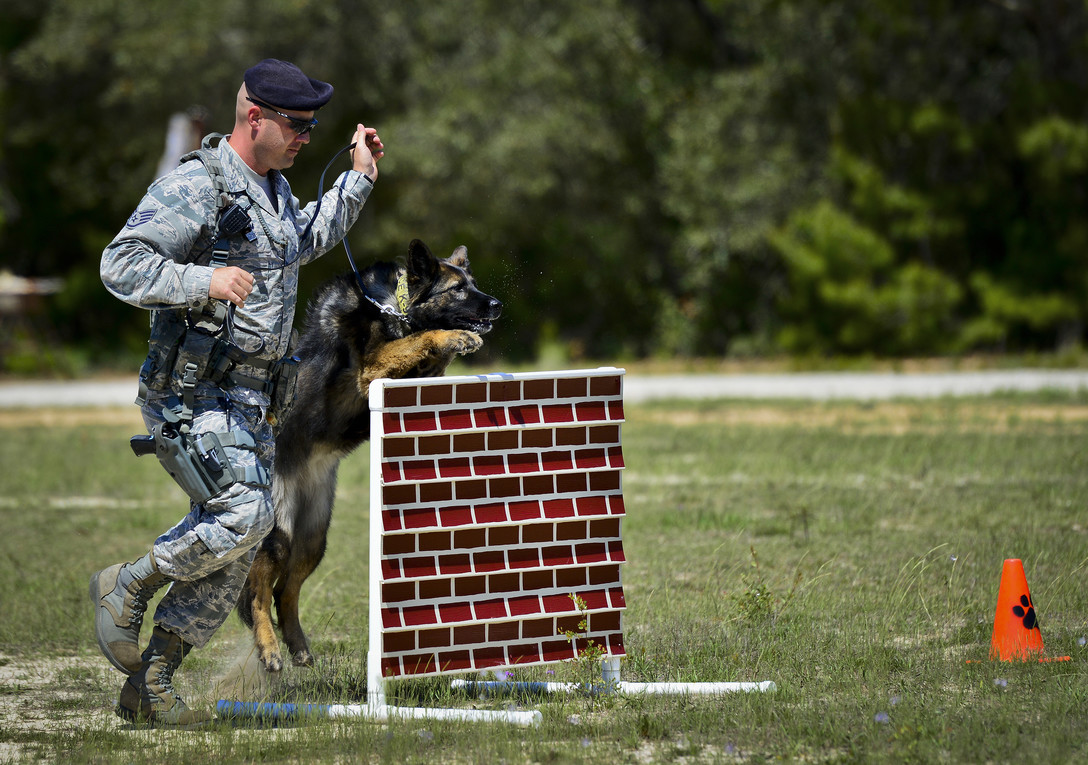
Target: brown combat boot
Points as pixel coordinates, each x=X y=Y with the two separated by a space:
x=148 y=696
x=120 y=595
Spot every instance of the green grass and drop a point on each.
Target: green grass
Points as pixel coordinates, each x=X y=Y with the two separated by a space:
x=849 y=552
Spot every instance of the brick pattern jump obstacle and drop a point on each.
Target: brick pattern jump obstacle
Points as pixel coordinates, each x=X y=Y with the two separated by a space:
x=494 y=499
x=498 y=499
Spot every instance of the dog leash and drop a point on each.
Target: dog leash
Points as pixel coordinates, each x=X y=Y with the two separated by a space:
x=402 y=287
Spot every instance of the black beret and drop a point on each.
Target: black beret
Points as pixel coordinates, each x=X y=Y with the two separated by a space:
x=282 y=84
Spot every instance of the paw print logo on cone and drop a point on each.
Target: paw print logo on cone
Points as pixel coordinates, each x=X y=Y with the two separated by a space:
x=1017 y=636
x=1026 y=612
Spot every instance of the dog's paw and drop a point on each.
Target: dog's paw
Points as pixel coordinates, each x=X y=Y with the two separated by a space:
x=445 y=343
x=273 y=663
x=462 y=341
x=302 y=659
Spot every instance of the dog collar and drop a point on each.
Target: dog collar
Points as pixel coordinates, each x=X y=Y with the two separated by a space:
x=401 y=294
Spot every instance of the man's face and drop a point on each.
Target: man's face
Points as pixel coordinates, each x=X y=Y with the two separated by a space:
x=277 y=143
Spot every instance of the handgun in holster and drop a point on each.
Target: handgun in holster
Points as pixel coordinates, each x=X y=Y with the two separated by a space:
x=198 y=464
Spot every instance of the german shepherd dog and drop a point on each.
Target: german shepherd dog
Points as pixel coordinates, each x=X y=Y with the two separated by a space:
x=352 y=335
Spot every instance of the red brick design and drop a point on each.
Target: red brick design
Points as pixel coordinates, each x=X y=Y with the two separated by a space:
x=501 y=496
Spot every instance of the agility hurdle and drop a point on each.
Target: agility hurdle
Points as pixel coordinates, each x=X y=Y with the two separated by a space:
x=494 y=499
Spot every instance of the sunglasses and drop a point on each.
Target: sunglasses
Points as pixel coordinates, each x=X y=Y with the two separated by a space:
x=300 y=126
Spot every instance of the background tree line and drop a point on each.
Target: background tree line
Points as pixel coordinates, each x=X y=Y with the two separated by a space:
x=631 y=177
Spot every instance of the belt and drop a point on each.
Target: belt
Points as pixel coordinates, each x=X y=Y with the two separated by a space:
x=257 y=374
x=260 y=384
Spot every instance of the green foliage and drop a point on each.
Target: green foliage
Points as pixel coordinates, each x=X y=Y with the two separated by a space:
x=847 y=294
x=758 y=602
x=1057 y=148
x=586 y=664
x=642 y=178
x=1004 y=310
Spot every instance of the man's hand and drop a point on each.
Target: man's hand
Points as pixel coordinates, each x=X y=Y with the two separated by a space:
x=231 y=283
x=368 y=150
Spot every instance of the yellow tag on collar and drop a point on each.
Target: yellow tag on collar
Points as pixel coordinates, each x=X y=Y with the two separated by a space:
x=402 y=293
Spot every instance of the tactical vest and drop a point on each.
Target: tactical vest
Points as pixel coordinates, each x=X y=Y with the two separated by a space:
x=202 y=346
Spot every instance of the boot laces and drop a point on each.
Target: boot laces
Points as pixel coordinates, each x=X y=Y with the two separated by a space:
x=165 y=678
x=140 y=598
x=139 y=605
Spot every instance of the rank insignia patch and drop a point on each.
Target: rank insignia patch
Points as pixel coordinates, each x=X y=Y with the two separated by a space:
x=140 y=217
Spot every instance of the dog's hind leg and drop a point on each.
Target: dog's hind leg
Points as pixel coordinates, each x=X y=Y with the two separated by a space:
x=263 y=575
x=307 y=549
x=303 y=563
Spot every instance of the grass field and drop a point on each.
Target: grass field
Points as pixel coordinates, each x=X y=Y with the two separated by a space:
x=850 y=552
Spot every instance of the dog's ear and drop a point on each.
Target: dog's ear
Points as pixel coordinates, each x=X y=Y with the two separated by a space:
x=422 y=265
x=459 y=258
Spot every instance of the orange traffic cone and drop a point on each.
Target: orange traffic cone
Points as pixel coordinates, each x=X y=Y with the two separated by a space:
x=1016 y=627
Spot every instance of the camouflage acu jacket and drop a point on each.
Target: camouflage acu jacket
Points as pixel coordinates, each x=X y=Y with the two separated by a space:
x=160 y=259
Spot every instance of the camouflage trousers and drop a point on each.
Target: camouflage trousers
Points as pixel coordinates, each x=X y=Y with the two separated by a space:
x=208 y=554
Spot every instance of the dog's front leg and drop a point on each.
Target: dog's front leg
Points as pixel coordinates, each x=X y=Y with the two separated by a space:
x=428 y=353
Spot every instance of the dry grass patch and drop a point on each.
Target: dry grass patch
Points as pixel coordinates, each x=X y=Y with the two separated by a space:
x=72 y=417
x=883 y=418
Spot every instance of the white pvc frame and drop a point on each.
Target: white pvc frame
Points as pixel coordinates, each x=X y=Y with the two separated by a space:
x=611 y=683
x=376 y=707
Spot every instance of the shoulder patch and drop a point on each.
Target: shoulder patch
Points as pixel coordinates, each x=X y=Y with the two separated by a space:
x=140 y=217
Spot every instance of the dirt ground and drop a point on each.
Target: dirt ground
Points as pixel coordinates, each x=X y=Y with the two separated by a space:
x=35 y=700
x=46 y=696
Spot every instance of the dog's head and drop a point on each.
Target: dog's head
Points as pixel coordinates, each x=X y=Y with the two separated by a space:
x=442 y=294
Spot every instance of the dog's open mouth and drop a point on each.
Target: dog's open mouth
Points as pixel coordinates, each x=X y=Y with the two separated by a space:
x=480 y=327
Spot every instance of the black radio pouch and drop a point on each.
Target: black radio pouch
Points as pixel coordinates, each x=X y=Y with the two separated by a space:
x=233 y=221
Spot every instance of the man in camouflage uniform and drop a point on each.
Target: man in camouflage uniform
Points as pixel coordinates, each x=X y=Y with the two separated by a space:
x=165 y=260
